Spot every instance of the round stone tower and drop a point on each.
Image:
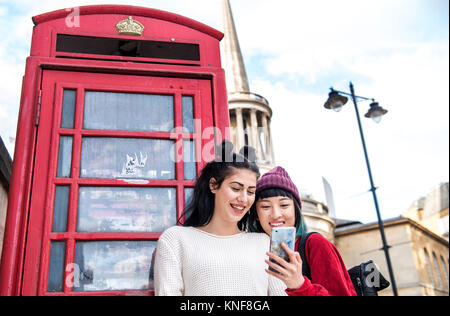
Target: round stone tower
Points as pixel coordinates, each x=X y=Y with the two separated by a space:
x=250 y=113
x=250 y=116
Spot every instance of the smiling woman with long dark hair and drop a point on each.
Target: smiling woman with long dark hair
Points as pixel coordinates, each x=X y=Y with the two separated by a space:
x=200 y=210
x=210 y=254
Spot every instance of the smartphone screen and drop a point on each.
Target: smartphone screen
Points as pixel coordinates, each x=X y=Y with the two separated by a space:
x=281 y=235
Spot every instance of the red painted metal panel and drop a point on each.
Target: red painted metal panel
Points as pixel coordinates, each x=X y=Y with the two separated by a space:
x=101 y=21
x=26 y=251
x=133 y=11
x=38 y=246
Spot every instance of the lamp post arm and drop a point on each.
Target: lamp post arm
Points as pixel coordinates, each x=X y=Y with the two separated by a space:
x=353 y=95
x=374 y=194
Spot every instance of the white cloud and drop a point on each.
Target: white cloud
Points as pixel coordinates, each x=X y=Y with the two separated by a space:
x=411 y=142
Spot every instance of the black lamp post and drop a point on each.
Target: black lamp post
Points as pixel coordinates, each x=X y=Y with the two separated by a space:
x=336 y=101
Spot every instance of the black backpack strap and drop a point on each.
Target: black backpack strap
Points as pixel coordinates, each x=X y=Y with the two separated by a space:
x=306 y=270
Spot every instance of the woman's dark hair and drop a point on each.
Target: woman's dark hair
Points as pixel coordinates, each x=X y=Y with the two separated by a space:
x=200 y=209
x=253 y=225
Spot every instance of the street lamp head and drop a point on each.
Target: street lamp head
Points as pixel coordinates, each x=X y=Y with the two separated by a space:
x=375 y=112
x=335 y=101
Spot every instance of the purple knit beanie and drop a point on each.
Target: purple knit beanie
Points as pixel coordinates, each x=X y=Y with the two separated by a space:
x=278 y=178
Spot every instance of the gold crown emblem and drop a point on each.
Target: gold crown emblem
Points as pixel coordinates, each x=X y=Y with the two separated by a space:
x=130 y=27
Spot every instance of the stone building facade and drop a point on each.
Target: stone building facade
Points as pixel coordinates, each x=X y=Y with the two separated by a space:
x=431 y=210
x=419 y=256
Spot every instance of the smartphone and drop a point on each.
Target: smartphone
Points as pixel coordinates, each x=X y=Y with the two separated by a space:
x=278 y=236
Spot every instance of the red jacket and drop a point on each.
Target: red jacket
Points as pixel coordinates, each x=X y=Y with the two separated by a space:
x=328 y=272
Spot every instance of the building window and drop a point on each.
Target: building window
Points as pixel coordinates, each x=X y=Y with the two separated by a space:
x=438 y=272
x=429 y=268
x=444 y=268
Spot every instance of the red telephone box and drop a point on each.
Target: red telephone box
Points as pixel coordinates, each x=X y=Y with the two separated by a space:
x=112 y=97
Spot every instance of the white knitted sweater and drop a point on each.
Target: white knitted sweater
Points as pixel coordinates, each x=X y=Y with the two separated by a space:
x=192 y=262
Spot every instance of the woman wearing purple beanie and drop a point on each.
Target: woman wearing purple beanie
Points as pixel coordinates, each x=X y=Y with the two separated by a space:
x=278 y=204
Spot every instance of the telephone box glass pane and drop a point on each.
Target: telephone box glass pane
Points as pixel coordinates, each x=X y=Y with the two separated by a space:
x=126 y=209
x=190 y=171
x=188 y=114
x=64 y=157
x=113 y=265
x=60 y=209
x=188 y=195
x=127 y=158
x=128 y=111
x=68 y=108
x=56 y=267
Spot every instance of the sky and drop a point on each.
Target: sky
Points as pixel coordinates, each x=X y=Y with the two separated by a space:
x=396 y=52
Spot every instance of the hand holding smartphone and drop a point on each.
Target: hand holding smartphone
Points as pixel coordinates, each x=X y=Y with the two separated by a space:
x=281 y=235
